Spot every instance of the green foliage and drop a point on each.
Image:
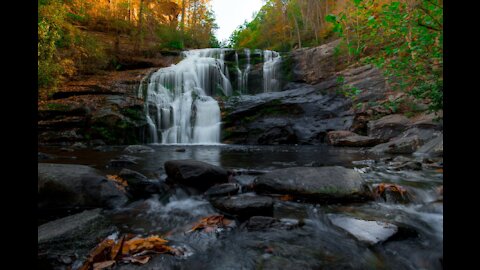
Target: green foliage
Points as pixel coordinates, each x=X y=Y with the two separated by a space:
x=347 y=90
x=50 y=20
x=405 y=40
x=170 y=38
x=64 y=50
x=57 y=107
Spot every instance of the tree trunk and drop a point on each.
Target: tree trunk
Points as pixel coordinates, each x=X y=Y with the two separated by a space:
x=138 y=40
x=182 y=24
x=298 y=32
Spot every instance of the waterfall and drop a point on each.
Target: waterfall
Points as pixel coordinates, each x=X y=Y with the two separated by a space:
x=179 y=106
x=271 y=67
x=179 y=103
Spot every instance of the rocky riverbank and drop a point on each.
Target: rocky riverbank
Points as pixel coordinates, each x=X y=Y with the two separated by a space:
x=342 y=206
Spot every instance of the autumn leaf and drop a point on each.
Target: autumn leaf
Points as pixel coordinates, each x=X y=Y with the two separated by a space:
x=140 y=259
x=99 y=254
x=152 y=243
x=103 y=265
x=211 y=223
x=118 y=247
x=120 y=183
x=382 y=187
x=286 y=197
x=127 y=248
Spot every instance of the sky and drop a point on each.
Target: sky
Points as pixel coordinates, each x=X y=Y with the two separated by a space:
x=231 y=13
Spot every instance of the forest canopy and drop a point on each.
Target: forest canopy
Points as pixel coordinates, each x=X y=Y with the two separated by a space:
x=78 y=36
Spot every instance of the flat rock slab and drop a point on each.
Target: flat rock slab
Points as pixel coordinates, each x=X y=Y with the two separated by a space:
x=69 y=227
x=195 y=173
x=71 y=237
x=370 y=232
x=406 y=145
x=245 y=205
x=326 y=184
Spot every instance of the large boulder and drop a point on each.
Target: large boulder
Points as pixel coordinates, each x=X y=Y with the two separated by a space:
x=348 y=138
x=71 y=186
x=139 y=186
x=195 y=173
x=245 y=205
x=388 y=127
x=326 y=184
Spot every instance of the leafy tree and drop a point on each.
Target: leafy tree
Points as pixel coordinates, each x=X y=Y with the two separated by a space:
x=403 y=38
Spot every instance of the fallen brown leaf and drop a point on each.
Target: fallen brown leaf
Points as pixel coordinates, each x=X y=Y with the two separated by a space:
x=121 y=183
x=117 y=248
x=211 y=223
x=140 y=259
x=127 y=248
x=103 y=265
x=286 y=197
x=100 y=253
x=382 y=187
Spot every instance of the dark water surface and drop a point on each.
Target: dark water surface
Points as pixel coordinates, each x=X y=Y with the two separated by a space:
x=318 y=244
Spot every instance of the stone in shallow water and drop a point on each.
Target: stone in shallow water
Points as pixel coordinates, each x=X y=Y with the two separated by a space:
x=195 y=173
x=223 y=190
x=326 y=184
x=245 y=205
x=138 y=149
x=370 y=232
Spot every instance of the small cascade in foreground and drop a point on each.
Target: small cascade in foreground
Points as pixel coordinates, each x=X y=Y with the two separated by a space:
x=271 y=70
x=179 y=103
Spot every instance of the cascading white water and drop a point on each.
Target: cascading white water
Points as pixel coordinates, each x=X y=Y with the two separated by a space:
x=242 y=76
x=179 y=107
x=179 y=104
x=271 y=66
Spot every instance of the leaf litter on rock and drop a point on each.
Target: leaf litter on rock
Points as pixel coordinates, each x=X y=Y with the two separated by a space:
x=211 y=224
x=120 y=183
x=127 y=249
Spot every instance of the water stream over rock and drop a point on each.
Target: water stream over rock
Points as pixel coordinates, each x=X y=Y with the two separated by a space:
x=180 y=106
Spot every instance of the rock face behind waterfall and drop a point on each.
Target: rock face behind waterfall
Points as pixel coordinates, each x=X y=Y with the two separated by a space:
x=302 y=114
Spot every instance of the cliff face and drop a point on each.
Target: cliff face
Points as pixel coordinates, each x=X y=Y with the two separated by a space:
x=318 y=100
x=99 y=108
x=302 y=114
